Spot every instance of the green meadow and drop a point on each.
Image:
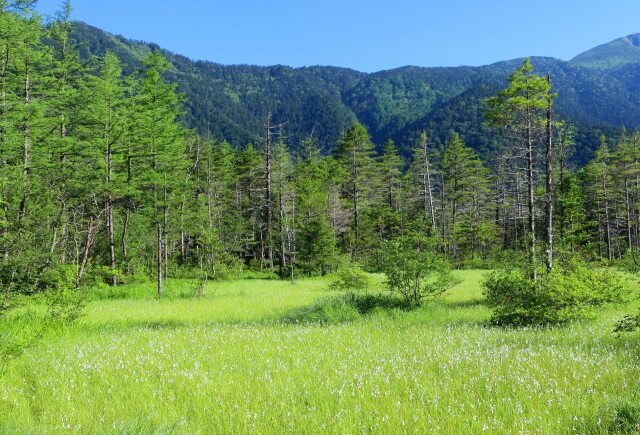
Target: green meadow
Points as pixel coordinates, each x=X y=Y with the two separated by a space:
x=267 y=356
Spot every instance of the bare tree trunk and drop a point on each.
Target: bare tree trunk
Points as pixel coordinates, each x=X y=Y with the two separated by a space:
x=111 y=239
x=160 y=273
x=123 y=240
x=283 y=231
x=429 y=213
x=606 y=217
x=356 y=197
x=531 y=199
x=549 y=181
x=628 y=211
x=443 y=216
x=165 y=241
x=291 y=240
x=183 y=245
x=26 y=132
x=109 y=210
x=127 y=212
x=87 y=248
x=268 y=194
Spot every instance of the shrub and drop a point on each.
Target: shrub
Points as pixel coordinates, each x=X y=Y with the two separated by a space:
x=628 y=323
x=415 y=270
x=350 y=278
x=64 y=300
x=567 y=293
x=630 y=262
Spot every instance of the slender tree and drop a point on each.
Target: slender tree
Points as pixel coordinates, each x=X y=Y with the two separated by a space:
x=520 y=110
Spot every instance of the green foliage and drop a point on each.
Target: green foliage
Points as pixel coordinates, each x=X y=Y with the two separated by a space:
x=231 y=102
x=415 y=270
x=569 y=292
x=628 y=323
x=64 y=300
x=350 y=277
x=317 y=251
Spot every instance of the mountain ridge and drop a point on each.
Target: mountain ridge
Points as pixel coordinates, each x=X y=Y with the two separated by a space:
x=230 y=102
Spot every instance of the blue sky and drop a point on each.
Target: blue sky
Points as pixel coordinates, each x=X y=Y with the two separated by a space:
x=364 y=35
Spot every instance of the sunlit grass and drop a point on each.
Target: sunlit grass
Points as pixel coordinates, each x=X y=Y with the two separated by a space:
x=226 y=363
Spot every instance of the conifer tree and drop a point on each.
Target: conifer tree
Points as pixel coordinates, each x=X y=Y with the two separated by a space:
x=521 y=110
x=160 y=142
x=355 y=155
x=465 y=180
x=105 y=135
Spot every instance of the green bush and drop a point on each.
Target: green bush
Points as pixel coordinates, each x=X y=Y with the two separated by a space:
x=415 y=270
x=628 y=323
x=351 y=278
x=565 y=294
x=64 y=300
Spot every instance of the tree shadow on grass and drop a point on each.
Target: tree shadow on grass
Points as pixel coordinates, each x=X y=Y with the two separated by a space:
x=344 y=308
x=469 y=303
x=120 y=325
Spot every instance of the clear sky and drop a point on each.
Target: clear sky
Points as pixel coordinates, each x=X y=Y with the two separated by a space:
x=364 y=35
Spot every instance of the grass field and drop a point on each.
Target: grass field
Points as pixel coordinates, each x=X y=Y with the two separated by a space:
x=231 y=362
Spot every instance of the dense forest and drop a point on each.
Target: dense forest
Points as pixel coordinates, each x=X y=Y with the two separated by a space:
x=197 y=248
x=230 y=102
x=102 y=181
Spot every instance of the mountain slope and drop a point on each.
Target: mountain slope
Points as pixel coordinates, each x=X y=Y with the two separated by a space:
x=231 y=102
x=614 y=54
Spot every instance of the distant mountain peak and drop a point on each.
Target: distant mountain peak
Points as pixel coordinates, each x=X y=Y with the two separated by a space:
x=617 y=53
x=634 y=39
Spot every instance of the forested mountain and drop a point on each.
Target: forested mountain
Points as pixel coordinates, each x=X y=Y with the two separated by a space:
x=104 y=178
x=622 y=51
x=231 y=102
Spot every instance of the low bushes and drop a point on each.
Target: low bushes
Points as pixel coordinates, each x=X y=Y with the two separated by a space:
x=567 y=293
x=415 y=270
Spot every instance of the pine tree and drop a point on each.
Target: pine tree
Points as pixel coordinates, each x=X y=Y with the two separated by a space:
x=160 y=142
x=521 y=110
x=106 y=131
x=599 y=175
x=249 y=200
x=355 y=155
x=465 y=183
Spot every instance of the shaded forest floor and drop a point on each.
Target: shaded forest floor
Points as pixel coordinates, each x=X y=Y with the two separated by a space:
x=271 y=357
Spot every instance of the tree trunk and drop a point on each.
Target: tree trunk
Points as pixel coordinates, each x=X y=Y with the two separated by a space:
x=87 y=249
x=268 y=218
x=606 y=217
x=549 y=181
x=160 y=257
x=531 y=199
x=26 y=133
x=123 y=240
x=109 y=210
x=429 y=213
x=628 y=211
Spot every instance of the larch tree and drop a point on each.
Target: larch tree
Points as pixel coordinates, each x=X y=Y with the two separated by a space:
x=355 y=154
x=521 y=111
x=160 y=142
x=423 y=170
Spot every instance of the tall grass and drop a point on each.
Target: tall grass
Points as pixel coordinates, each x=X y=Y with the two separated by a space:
x=234 y=362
